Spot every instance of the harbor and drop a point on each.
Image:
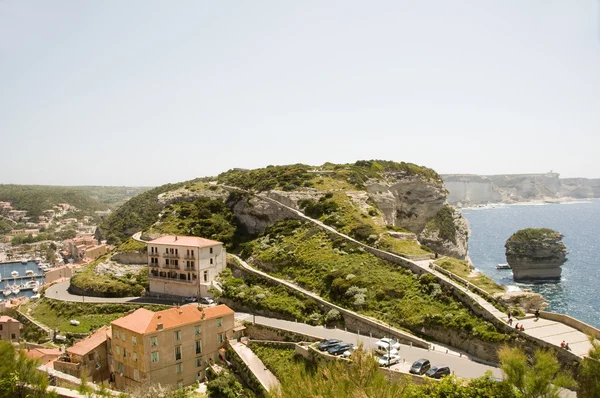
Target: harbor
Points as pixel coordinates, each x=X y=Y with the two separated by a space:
x=21 y=278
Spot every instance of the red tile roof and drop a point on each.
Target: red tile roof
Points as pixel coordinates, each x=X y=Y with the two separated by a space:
x=85 y=346
x=35 y=353
x=5 y=318
x=195 y=241
x=143 y=321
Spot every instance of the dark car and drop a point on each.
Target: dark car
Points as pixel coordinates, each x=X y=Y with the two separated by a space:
x=339 y=349
x=190 y=299
x=420 y=366
x=437 y=372
x=327 y=344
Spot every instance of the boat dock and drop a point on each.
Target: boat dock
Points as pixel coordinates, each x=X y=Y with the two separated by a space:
x=26 y=277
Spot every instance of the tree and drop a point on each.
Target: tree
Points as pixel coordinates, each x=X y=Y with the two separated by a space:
x=19 y=376
x=225 y=385
x=540 y=379
x=589 y=372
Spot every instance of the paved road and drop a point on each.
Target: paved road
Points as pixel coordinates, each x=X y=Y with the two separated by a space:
x=264 y=375
x=461 y=366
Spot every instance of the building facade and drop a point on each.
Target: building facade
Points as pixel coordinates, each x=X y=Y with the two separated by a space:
x=184 y=265
x=10 y=329
x=88 y=355
x=171 y=347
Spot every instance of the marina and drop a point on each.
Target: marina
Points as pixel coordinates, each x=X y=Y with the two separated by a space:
x=18 y=278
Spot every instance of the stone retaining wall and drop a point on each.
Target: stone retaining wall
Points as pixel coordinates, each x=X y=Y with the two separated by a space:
x=130 y=258
x=572 y=322
x=268 y=333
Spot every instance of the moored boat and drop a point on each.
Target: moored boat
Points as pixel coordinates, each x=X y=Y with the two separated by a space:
x=29 y=272
x=7 y=291
x=15 y=289
x=503 y=266
x=14 y=274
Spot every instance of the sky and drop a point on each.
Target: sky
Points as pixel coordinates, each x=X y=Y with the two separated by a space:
x=144 y=92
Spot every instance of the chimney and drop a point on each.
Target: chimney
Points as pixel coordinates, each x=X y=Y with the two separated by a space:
x=159 y=326
x=175 y=237
x=159 y=316
x=180 y=311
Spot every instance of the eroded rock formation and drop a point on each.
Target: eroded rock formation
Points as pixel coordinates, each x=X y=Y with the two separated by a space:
x=536 y=255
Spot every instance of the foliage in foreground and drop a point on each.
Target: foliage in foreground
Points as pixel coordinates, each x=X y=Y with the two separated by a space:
x=19 y=377
x=540 y=379
x=225 y=385
x=589 y=373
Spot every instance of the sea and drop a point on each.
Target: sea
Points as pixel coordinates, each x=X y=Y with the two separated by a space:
x=578 y=292
x=7 y=280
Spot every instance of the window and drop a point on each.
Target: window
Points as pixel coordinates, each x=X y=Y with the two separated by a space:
x=123 y=336
x=13 y=336
x=198 y=362
x=176 y=251
x=118 y=350
x=136 y=375
x=219 y=322
x=197 y=330
x=0 y=327
x=220 y=338
x=120 y=368
x=91 y=356
x=177 y=335
x=198 y=376
x=211 y=250
x=198 y=347
x=180 y=384
x=135 y=357
x=205 y=276
x=133 y=340
x=124 y=352
x=154 y=356
x=179 y=368
x=211 y=261
x=178 y=353
x=176 y=262
x=153 y=341
x=115 y=334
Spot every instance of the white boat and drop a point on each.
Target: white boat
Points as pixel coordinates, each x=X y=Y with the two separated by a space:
x=503 y=266
x=24 y=261
x=38 y=260
x=35 y=297
x=15 y=289
x=14 y=274
x=44 y=268
x=29 y=272
x=7 y=291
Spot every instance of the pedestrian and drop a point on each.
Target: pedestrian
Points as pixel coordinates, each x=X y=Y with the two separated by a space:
x=562 y=344
x=537 y=315
x=510 y=321
x=521 y=328
x=567 y=346
x=517 y=325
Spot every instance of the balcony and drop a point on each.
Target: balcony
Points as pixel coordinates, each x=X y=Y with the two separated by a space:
x=170 y=255
x=153 y=254
x=154 y=265
x=193 y=269
x=172 y=279
x=189 y=257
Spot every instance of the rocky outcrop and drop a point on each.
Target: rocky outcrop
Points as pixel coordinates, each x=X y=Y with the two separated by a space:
x=448 y=234
x=131 y=257
x=536 y=255
x=525 y=300
x=408 y=202
x=184 y=194
x=256 y=214
x=469 y=190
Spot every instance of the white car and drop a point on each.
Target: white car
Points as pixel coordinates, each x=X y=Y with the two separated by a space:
x=349 y=352
x=387 y=346
x=388 y=360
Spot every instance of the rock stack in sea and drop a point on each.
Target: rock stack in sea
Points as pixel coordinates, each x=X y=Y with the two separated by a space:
x=536 y=255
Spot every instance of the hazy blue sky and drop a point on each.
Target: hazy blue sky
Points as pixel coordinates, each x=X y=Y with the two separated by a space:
x=148 y=92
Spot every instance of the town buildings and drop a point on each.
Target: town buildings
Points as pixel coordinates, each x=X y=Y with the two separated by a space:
x=184 y=265
x=88 y=355
x=84 y=246
x=10 y=329
x=171 y=347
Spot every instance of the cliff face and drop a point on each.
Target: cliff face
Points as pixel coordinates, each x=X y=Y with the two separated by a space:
x=407 y=201
x=536 y=254
x=468 y=189
x=448 y=234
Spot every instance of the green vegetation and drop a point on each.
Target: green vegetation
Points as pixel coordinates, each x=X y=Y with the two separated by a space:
x=225 y=385
x=462 y=269
x=402 y=247
x=20 y=239
x=540 y=379
x=348 y=276
x=444 y=223
x=19 y=376
x=138 y=213
x=287 y=178
x=257 y=294
x=589 y=373
x=109 y=285
x=205 y=217
x=56 y=314
x=37 y=198
x=534 y=234
x=131 y=245
x=363 y=378
x=5 y=225
x=363 y=170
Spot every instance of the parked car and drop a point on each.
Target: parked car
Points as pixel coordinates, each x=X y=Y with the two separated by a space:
x=420 y=366
x=206 y=300
x=389 y=360
x=339 y=349
x=349 y=351
x=327 y=344
x=387 y=346
x=190 y=299
x=437 y=372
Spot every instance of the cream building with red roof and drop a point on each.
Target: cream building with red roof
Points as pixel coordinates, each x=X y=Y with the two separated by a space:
x=171 y=347
x=184 y=265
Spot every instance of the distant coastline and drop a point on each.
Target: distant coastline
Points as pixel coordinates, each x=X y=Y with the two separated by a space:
x=540 y=202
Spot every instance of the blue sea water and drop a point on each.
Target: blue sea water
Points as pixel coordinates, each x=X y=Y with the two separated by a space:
x=578 y=293
x=6 y=279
